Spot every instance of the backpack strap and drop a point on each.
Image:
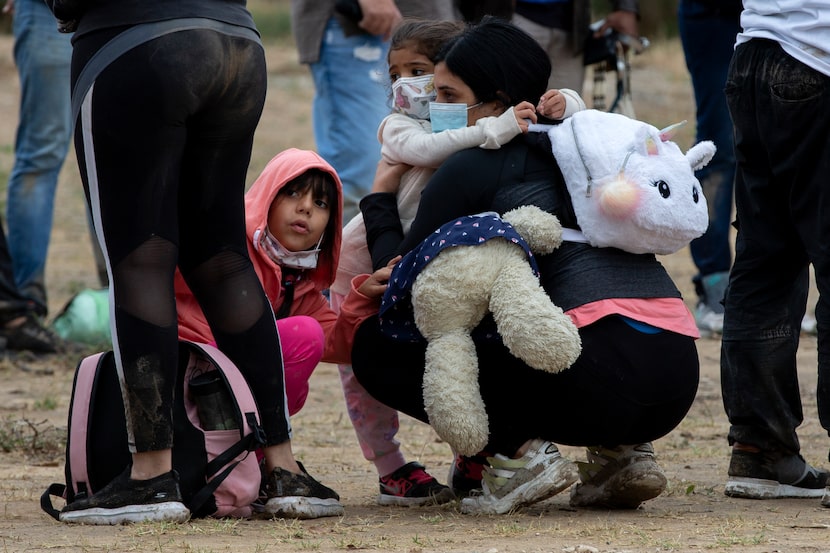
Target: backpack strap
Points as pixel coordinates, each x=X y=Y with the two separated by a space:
x=221 y=466
x=250 y=442
x=58 y=490
x=79 y=412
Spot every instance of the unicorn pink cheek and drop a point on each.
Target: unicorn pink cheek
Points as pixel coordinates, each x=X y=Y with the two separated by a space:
x=619 y=199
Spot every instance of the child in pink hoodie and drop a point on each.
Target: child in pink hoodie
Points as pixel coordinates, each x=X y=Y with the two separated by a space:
x=293 y=217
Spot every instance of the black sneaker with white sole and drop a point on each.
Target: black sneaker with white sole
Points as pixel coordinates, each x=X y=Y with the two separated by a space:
x=411 y=485
x=300 y=496
x=756 y=474
x=125 y=500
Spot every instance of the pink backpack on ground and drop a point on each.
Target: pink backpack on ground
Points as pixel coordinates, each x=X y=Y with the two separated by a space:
x=217 y=474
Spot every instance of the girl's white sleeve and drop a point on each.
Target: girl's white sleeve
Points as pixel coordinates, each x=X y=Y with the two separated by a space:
x=573 y=102
x=406 y=140
x=500 y=130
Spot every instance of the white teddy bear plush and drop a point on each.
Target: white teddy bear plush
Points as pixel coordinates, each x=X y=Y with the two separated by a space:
x=451 y=296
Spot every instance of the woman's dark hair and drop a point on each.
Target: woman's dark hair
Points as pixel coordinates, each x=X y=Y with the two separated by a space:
x=424 y=36
x=498 y=61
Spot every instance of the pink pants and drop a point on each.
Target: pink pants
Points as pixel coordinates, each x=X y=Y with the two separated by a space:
x=302 y=342
x=374 y=423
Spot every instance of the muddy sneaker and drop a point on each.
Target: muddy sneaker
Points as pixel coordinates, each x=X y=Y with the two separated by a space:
x=466 y=473
x=31 y=335
x=125 y=500
x=299 y=496
x=755 y=474
x=410 y=486
x=508 y=484
x=618 y=478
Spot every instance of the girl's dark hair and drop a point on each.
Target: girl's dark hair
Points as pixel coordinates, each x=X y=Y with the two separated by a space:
x=424 y=36
x=322 y=186
x=498 y=61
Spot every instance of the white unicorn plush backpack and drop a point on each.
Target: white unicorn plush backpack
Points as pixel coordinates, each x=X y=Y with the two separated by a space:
x=631 y=187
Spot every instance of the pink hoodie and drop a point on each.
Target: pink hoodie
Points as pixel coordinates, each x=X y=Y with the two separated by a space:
x=308 y=297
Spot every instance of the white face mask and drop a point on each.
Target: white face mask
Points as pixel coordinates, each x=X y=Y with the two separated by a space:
x=445 y=116
x=412 y=95
x=279 y=254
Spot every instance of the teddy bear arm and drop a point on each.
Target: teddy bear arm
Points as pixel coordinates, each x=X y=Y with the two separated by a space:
x=532 y=327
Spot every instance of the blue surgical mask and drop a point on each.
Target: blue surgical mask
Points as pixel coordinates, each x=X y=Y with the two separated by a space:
x=448 y=116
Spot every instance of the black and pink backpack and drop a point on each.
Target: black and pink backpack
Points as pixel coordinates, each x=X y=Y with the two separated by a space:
x=218 y=474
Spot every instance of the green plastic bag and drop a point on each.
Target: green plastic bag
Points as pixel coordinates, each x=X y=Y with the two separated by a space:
x=86 y=319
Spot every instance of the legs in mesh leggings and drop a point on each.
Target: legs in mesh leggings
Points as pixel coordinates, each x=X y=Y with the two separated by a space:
x=242 y=322
x=241 y=319
x=163 y=142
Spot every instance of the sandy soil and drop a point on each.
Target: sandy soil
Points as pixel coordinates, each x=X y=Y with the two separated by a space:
x=692 y=515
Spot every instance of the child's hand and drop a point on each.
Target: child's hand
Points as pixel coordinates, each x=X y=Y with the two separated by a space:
x=388 y=176
x=525 y=114
x=552 y=104
x=375 y=285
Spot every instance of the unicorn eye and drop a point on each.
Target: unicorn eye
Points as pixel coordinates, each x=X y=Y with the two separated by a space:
x=695 y=195
x=663 y=188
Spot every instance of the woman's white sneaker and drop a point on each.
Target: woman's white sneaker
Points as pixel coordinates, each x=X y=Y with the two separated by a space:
x=508 y=484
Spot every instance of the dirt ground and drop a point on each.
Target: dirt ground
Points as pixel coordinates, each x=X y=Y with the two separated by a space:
x=692 y=515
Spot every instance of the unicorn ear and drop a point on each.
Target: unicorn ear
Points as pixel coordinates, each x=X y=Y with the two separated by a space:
x=700 y=154
x=669 y=132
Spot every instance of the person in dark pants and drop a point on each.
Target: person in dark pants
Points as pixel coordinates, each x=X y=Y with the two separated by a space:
x=778 y=90
x=707 y=31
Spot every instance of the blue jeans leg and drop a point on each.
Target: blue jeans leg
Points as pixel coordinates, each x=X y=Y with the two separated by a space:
x=778 y=106
x=44 y=131
x=350 y=100
x=708 y=39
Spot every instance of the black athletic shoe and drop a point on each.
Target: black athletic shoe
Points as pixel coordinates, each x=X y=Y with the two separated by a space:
x=31 y=335
x=300 y=496
x=411 y=485
x=125 y=500
x=770 y=475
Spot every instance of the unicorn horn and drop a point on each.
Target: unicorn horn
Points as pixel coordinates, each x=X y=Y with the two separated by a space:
x=669 y=132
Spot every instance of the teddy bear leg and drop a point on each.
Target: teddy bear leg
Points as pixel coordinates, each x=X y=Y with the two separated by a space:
x=532 y=327
x=451 y=393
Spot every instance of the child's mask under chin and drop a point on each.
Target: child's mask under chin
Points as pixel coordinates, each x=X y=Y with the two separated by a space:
x=279 y=254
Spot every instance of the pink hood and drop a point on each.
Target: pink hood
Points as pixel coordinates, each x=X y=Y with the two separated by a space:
x=308 y=299
x=283 y=168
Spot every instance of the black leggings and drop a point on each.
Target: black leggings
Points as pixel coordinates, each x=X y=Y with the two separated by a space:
x=164 y=141
x=627 y=387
